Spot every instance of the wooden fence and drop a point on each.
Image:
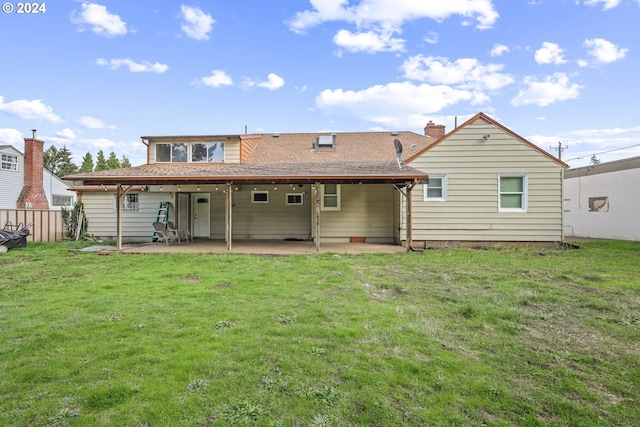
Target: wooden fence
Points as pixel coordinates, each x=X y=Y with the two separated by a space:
x=47 y=225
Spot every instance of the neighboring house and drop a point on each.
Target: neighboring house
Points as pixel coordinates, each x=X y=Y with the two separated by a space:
x=486 y=184
x=26 y=184
x=603 y=201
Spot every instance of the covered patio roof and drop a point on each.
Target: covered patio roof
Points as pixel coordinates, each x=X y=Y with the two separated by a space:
x=244 y=173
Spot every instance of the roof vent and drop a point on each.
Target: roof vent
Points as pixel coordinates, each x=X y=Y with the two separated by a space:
x=325 y=141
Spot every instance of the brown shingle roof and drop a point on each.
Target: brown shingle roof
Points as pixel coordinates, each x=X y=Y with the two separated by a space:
x=371 y=172
x=348 y=147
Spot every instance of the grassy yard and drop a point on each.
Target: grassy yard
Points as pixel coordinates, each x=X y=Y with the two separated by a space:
x=447 y=337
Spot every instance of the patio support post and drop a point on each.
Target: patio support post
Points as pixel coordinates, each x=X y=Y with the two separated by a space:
x=409 y=204
x=229 y=217
x=317 y=199
x=118 y=217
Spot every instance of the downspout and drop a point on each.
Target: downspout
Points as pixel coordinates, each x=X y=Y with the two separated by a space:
x=146 y=142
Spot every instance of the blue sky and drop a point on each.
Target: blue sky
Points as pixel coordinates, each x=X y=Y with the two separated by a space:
x=100 y=74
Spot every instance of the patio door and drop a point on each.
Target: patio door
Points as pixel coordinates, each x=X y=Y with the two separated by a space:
x=201 y=215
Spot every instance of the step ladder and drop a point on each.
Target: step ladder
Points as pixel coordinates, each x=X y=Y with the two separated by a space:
x=162 y=216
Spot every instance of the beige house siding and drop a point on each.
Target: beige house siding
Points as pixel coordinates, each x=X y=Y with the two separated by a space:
x=272 y=220
x=231 y=147
x=366 y=211
x=472 y=165
x=100 y=210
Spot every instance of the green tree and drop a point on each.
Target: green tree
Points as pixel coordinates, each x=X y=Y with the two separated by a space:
x=101 y=162
x=87 y=163
x=59 y=162
x=112 y=161
x=125 y=163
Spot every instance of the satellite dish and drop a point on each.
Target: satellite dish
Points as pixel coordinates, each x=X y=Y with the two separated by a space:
x=398 y=159
x=398 y=145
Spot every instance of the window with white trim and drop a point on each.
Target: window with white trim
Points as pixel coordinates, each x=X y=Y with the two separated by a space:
x=436 y=189
x=330 y=197
x=59 y=200
x=189 y=152
x=512 y=191
x=130 y=202
x=9 y=162
x=294 y=199
x=259 y=197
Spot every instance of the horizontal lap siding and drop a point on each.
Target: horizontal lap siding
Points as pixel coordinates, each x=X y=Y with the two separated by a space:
x=99 y=209
x=273 y=220
x=366 y=211
x=472 y=166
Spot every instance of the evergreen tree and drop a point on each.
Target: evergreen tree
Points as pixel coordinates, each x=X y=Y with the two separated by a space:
x=112 y=161
x=51 y=158
x=87 y=163
x=101 y=162
x=59 y=162
x=125 y=163
x=67 y=167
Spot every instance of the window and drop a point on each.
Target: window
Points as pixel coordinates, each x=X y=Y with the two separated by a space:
x=207 y=152
x=196 y=152
x=436 y=189
x=294 y=199
x=599 y=204
x=9 y=162
x=330 y=197
x=62 y=200
x=259 y=197
x=513 y=193
x=129 y=202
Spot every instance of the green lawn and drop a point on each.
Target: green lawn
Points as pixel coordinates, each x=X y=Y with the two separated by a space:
x=454 y=337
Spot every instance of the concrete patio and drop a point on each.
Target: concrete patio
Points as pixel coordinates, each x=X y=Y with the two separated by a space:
x=261 y=247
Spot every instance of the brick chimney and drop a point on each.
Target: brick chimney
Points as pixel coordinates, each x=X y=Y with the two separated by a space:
x=32 y=195
x=433 y=130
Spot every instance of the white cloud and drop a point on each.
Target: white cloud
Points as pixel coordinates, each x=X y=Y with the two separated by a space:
x=467 y=73
x=134 y=67
x=273 y=82
x=100 y=20
x=29 y=110
x=11 y=137
x=550 y=53
x=603 y=51
x=66 y=134
x=391 y=13
x=197 y=24
x=93 y=123
x=377 y=21
x=216 y=79
x=499 y=50
x=431 y=38
x=368 y=41
x=607 y=4
x=394 y=105
x=551 y=89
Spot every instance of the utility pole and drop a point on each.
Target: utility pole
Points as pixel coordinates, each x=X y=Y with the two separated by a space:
x=559 y=149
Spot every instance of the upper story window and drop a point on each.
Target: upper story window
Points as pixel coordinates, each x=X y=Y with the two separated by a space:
x=9 y=162
x=186 y=152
